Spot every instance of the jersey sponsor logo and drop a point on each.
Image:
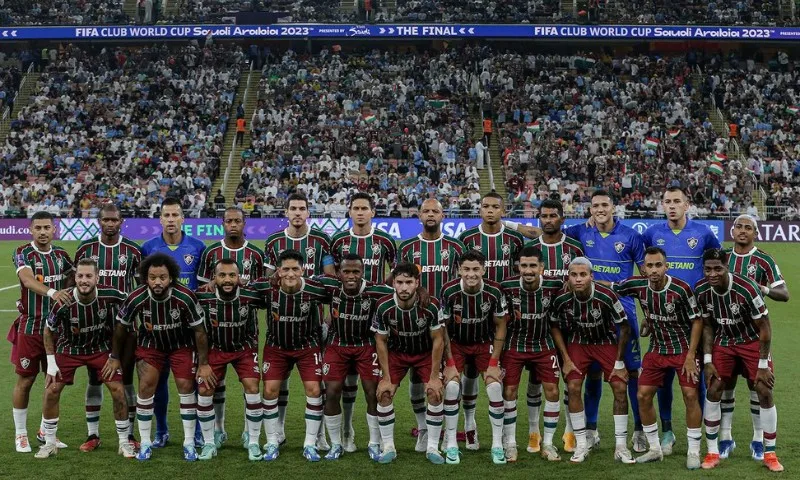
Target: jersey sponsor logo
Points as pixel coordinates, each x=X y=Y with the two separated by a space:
x=692 y=242
x=76 y=329
x=188 y=258
x=619 y=247
x=435 y=268
x=123 y=259
x=376 y=250
x=308 y=266
x=372 y=262
x=556 y=273
x=681 y=265
x=751 y=271
x=183 y=281
x=605 y=269
x=496 y=263
x=311 y=252
x=148 y=326
x=51 y=278
x=506 y=249
x=445 y=254
x=113 y=273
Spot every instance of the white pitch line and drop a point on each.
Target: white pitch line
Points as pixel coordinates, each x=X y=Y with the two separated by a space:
x=9 y=287
x=9 y=311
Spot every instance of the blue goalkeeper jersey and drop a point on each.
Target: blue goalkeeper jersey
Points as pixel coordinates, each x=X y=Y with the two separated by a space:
x=613 y=255
x=684 y=248
x=187 y=254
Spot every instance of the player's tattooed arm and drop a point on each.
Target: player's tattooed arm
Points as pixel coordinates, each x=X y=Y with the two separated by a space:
x=204 y=372
x=708 y=347
x=450 y=372
x=526 y=230
x=779 y=293
x=117 y=341
x=764 y=374
x=29 y=281
x=690 y=365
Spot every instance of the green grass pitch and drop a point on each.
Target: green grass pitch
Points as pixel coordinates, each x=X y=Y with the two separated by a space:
x=232 y=460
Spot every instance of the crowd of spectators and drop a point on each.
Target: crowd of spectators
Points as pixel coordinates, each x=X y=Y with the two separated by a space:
x=10 y=77
x=762 y=100
x=396 y=125
x=128 y=125
x=690 y=12
x=630 y=125
x=476 y=11
x=61 y=12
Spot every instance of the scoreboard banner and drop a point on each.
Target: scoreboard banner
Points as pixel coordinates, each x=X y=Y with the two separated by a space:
x=70 y=229
x=399 y=31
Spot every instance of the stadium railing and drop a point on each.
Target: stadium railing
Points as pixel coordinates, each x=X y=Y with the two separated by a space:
x=243 y=101
x=5 y=121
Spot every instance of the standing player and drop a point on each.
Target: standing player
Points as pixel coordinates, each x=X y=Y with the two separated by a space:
x=250 y=261
x=118 y=262
x=315 y=248
x=748 y=261
x=351 y=346
x=186 y=252
x=79 y=334
x=408 y=336
x=44 y=276
x=500 y=247
x=613 y=249
x=170 y=336
x=293 y=338
x=529 y=343
x=670 y=310
x=231 y=316
x=474 y=311
x=437 y=257
x=598 y=332
x=558 y=250
x=736 y=329
x=378 y=251
x=684 y=242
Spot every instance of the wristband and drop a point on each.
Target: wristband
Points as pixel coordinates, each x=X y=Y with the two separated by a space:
x=512 y=225
x=450 y=363
x=112 y=356
x=706 y=358
x=493 y=362
x=765 y=290
x=51 y=292
x=763 y=363
x=619 y=365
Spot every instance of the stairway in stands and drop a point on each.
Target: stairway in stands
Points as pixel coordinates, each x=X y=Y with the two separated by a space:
x=498 y=171
x=26 y=88
x=248 y=95
x=129 y=9
x=347 y=6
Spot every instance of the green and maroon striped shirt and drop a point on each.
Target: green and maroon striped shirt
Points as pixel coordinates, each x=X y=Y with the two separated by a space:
x=249 y=258
x=377 y=251
x=758 y=266
x=529 y=313
x=670 y=312
x=351 y=316
x=51 y=268
x=590 y=322
x=408 y=331
x=292 y=321
x=558 y=256
x=118 y=263
x=437 y=260
x=501 y=250
x=733 y=313
x=164 y=325
x=85 y=329
x=314 y=247
x=470 y=317
x=232 y=325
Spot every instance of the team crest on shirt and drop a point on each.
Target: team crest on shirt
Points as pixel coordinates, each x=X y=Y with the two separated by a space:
x=445 y=254
x=735 y=309
x=376 y=250
x=661 y=242
x=485 y=307
x=175 y=314
x=24 y=362
x=188 y=258
x=670 y=307
x=246 y=264
x=506 y=249
x=751 y=270
x=566 y=258
x=421 y=321
x=102 y=313
x=123 y=259
x=595 y=313
x=310 y=252
x=692 y=242
x=60 y=262
x=365 y=304
x=619 y=247
x=265 y=367
x=243 y=311
x=545 y=302
x=305 y=307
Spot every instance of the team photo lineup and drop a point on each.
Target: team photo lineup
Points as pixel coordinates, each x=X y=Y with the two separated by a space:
x=501 y=303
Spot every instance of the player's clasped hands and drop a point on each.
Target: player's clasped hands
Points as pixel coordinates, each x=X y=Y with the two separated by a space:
x=434 y=389
x=63 y=296
x=385 y=389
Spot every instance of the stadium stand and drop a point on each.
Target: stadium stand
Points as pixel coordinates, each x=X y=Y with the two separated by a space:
x=130 y=125
x=61 y=12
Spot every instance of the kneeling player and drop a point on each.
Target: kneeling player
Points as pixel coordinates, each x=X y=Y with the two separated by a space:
x=78 y=334
x=408 y=336
x=529 y=343
x=231 y=316
x=736 y=329
x=591 y=313
x=474 y=310
x=671 y=311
